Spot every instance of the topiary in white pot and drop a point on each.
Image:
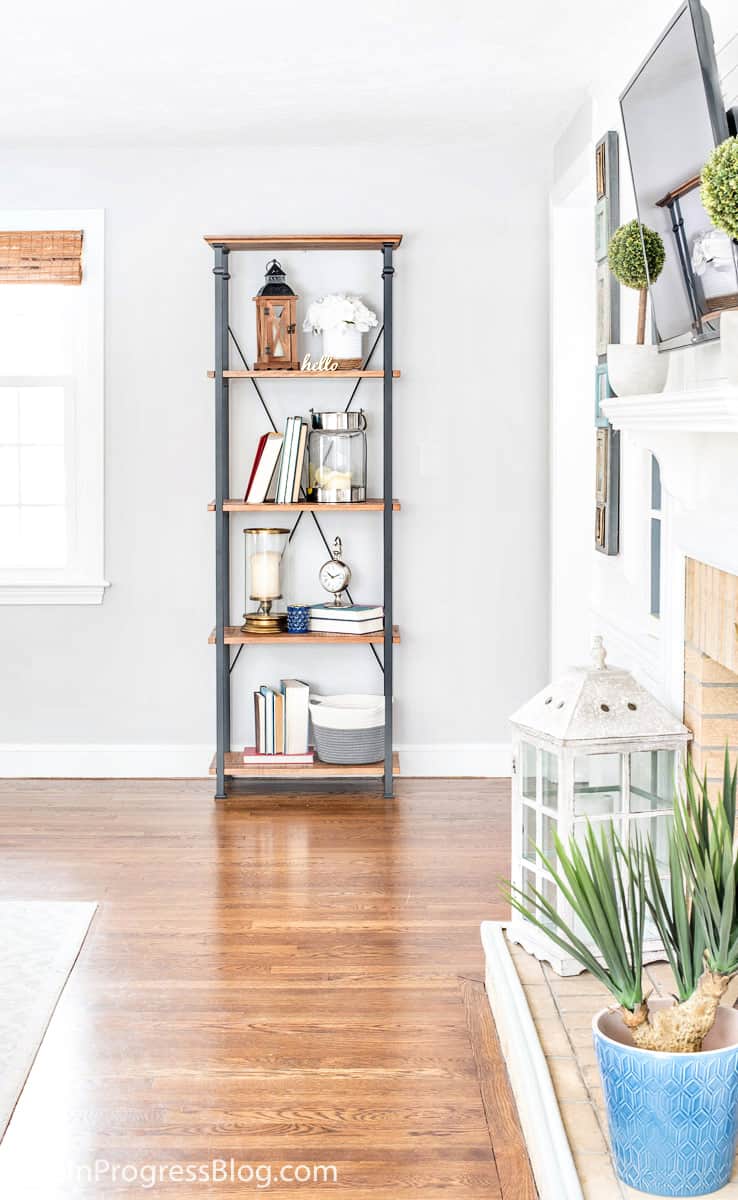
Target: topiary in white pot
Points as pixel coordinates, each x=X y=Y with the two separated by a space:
x=719 y=193
x=636 y=256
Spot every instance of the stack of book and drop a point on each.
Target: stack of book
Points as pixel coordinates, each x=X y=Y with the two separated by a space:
x=281 y=718
x=353 y=618
x=278 y=466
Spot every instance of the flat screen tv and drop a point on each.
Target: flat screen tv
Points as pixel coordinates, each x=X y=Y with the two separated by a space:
x=673 y=117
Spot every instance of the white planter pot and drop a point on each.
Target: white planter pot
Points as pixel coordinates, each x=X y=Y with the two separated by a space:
x=636 y=370
x=729 y=345
x=342 y=343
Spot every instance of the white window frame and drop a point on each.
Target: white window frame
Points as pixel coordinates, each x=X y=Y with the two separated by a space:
x=82 y=580
x=655 y=515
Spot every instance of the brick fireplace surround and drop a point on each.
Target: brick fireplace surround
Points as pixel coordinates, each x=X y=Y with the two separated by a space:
x=711 y=665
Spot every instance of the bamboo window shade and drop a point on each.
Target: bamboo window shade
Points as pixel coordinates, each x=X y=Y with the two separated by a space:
x=41 y=256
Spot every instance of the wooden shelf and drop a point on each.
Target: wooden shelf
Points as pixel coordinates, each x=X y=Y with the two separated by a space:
x=234 y=765
x=304 y=506
x=357 y=374
x=234 y=637
x=306 y=241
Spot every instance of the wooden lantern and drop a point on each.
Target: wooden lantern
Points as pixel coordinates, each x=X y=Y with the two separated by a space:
x=276 y=323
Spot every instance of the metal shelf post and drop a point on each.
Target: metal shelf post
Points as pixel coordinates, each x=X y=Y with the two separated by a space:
x=387 y=274
x=222 y=521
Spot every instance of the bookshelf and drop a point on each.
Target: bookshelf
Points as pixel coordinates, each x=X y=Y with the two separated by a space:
x=227 y=765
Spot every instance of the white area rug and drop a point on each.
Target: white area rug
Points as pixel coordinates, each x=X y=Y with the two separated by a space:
x=39 y=944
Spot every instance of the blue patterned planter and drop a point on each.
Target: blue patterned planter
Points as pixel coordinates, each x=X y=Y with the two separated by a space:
x=673 y=1118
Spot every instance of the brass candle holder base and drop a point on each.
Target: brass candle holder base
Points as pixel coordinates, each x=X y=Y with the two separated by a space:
x=264 y=622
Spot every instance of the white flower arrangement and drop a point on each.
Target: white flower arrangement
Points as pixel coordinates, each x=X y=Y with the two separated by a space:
x=339 y=311
x=712 y=248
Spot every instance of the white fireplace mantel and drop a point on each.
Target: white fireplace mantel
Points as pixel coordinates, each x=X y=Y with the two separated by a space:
x=693 y=432
x=679 y=427
x=709 y=409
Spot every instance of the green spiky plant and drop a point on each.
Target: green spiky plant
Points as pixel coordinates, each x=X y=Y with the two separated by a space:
x=635 y=262
x=676 y=916
x=609 y=887
x=604 y=882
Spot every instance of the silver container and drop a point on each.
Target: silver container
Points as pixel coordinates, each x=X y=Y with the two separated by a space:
x=337 y=457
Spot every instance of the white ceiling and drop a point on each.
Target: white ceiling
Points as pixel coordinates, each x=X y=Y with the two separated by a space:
x=283 y=71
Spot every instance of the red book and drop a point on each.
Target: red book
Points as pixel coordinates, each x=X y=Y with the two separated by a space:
x=252 y=757
x=257 y=459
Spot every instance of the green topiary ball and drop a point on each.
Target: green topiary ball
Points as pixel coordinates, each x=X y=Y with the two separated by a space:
x=625 y=255
x=719 y=190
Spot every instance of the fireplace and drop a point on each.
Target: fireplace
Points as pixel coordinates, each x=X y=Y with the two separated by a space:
x=711 y=665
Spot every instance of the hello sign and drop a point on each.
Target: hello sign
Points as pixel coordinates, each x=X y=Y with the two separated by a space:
x=324 y=363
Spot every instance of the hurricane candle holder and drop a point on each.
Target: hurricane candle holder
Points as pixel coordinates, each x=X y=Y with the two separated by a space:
x=264 y=564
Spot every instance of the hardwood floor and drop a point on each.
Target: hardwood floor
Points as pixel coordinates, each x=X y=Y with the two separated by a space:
x=288 y=981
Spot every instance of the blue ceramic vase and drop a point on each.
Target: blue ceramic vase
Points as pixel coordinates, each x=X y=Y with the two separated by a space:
x=673 y=1118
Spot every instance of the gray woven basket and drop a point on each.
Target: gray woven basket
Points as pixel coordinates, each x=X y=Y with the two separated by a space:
x=347 y=747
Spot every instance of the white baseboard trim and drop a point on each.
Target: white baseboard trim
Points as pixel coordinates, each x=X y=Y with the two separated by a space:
x=540 y=1118
x=486 y=760
x=64 y=761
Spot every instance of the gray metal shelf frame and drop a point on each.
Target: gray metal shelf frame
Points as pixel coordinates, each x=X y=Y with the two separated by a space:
x=224 y=336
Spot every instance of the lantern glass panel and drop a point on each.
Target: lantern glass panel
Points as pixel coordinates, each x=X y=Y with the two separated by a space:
x=528 y=882
x=528 y=770
x=651 y=780
x=598 y=784
x=549 y=779
x=276 y=330
x=548 y=829
x=548 y=888
x=529 y=833
x=656 y=830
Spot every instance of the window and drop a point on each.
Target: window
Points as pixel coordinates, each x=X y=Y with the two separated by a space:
x=33 y=475
x=655 y=543
x=51 y=410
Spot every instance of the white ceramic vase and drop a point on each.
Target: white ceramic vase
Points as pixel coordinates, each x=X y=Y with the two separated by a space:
x=636 y=370
x=729 y=346
x=343 y=343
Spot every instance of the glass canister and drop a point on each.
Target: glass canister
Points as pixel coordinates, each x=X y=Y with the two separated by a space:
x=337 y=457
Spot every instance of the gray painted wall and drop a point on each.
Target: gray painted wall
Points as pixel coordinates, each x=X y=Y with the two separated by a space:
x=470 y=429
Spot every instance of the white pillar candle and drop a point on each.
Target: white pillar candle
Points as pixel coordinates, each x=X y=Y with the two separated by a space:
x=265 y=575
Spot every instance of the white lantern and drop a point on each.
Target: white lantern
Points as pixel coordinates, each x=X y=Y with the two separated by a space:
x=593 y=746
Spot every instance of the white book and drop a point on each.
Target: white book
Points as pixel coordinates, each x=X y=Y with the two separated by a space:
x=259 y=486
x=324 y=625
x=296 y=716
x=302 y=442
x=259 y=722
x=268 y=695
x=284 y=462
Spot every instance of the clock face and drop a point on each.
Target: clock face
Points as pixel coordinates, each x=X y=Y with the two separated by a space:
x=334 y=576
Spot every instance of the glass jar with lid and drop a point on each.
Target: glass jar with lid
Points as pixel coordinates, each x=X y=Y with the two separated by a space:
x=337 y=457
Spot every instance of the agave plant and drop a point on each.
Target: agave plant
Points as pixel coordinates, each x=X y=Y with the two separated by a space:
x=676 y=917
x=610 y=886
x=605 y=885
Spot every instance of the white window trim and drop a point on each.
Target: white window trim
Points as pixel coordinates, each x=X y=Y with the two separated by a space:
x=83 y=581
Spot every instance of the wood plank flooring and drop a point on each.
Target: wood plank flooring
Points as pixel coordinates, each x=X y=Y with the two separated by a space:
x=284 y=982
